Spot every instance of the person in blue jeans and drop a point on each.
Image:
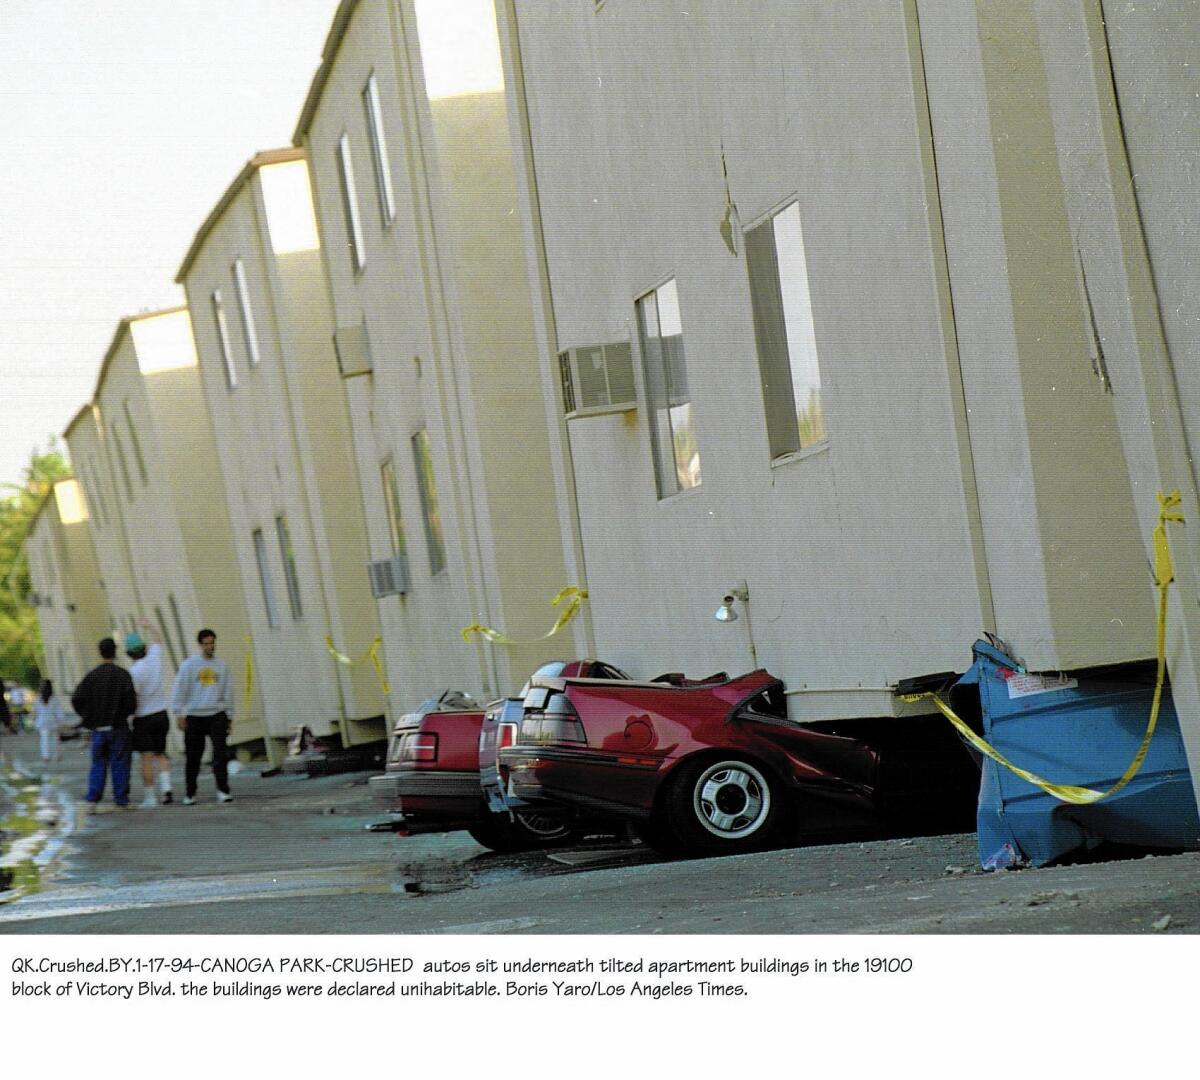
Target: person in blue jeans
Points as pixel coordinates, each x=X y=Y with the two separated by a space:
x=104 y=701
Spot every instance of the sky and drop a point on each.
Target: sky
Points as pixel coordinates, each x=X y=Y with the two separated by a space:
x=122 y=124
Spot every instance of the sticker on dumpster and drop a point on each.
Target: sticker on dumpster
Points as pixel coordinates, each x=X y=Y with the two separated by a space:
x=1027 y=685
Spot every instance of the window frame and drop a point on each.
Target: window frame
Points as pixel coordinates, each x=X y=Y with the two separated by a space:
x=376 y=137
x=122 y=462
x=291 y=576
x=669 y=470
x=258 y=540
x=435 y=539
x=241 y=289
x=777 y=339
x=222 y=324
x=391 y=503
x=350 y=211
x=136 y=443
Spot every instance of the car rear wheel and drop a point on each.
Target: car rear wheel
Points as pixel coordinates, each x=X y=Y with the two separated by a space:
x=526 y=830
x=726 y=804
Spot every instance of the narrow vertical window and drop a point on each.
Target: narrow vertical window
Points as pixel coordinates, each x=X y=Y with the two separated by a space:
x=94 y=484
x=249 y=331
x=178 y=624
x=784 y=333
x=121 y=462
x=162 y=629
x=136 y=444
x=429 y=502
x=354 y=233
x=391 y=499
x=288 y=556
x=383 y=176
x=672 y=431
x=264 y=578
x=218 y=308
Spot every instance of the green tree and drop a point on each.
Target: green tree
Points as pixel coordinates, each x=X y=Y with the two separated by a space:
x=20 y=640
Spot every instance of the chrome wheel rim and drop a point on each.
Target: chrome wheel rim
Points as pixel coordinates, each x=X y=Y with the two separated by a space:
x=732 y=800
x=541 y=825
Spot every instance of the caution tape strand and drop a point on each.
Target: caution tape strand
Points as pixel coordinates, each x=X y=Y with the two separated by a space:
x=1164 y=574
x=574 y=597
x=371 y=654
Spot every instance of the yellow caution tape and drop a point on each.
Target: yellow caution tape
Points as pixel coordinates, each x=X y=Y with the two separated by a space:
x=372 y=654
x=1164 y=574
x=248 y=681
x=573 y=595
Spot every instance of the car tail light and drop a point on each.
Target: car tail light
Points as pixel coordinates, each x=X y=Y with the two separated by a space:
x=506 y=735
x=557 y=723
x=423 y=746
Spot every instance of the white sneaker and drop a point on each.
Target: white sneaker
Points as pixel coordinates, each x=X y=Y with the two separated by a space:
x=149 y=802
x=188 y=801
x=224 y=796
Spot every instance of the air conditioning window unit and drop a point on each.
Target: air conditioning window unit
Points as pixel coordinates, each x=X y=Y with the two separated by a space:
x=597 y=379
x=389 y=577
x=353 y=349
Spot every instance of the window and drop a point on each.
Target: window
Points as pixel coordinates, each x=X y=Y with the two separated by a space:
x=429 y=502
x=223 y=339
x=672 y=434
x=289 y=567
x=264 y=578
x=124 y=465
x=183 y=648
x=162 y=629
x=383 y=177
x=391 y=499
x=98 y=491
x=354 y=232
x=783 y=330
x=137 y=446
x=249 y=333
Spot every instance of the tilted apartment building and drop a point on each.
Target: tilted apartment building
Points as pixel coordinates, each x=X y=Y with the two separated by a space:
x=900 y=373
x=91 y=466
x=865 y=383
x=146 y=452
x=264 y=332
x=406 y=130
x=67 y=590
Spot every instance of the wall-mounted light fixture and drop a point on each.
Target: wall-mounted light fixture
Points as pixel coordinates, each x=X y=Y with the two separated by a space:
x=727 y=613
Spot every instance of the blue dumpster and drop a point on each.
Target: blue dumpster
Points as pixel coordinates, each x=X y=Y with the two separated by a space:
x=1082 y=729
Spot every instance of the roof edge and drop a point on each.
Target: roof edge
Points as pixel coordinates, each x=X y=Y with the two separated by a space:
x=264 y=157
x=333 y=42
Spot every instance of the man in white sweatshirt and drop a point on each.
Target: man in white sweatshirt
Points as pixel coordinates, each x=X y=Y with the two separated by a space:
x=150 y=723
x=203 y=706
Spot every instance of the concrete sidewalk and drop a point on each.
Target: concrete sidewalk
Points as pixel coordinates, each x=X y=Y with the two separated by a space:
x=291 y=855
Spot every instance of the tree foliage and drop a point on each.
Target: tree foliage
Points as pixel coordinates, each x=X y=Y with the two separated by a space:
x=20 y=641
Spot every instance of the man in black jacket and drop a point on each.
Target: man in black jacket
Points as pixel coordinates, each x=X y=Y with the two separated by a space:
x=104 y=701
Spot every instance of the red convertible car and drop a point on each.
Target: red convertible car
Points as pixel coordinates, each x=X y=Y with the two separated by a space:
x=716 y=765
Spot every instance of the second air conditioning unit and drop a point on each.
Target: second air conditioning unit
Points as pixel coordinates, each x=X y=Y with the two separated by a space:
x=389 y=577
x=597 y=379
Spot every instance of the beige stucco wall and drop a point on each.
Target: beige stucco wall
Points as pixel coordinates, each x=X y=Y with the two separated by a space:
x=447 y=310
x=106 y=521
x=283 y=447
x=973 y=477
x=71 y=610
x=176 y=520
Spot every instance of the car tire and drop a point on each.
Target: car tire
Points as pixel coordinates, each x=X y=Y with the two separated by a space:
x=523 y=832
x=723 y=805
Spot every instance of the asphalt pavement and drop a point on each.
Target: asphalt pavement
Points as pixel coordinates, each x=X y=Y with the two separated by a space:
x=292 y=854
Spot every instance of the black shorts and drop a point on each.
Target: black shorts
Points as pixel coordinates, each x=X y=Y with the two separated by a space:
x=150 y=733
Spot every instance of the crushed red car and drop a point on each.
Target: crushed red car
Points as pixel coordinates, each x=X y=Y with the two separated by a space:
x=432 y=779
x=715 y=765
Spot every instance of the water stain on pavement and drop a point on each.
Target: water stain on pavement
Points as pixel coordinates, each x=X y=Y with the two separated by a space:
x=35 y=820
